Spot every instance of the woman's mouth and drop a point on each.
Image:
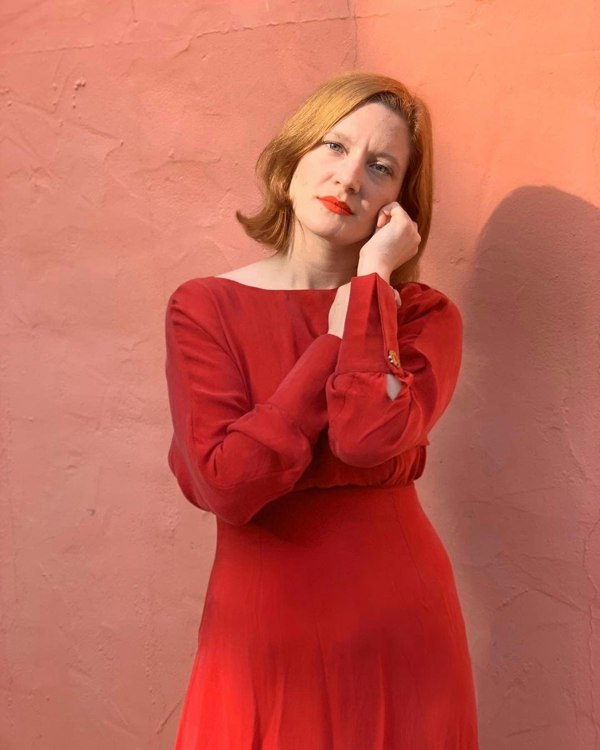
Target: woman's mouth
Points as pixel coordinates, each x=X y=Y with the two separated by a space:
x=338 y=207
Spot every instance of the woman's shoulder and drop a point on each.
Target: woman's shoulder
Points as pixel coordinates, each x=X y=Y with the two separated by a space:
x=250 y=276
x=190 y=290
x=419 y=289
x=194 y=298
x=212 y=301
x=419 y=298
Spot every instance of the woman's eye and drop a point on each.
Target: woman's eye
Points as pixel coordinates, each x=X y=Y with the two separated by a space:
x=332 y=143
x=387 y=170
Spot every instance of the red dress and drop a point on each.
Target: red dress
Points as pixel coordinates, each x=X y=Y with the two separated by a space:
x=331 y=619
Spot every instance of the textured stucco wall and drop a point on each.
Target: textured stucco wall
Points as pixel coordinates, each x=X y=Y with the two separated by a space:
x=130 y=133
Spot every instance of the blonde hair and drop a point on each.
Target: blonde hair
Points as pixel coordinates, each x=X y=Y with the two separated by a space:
x=273 y=224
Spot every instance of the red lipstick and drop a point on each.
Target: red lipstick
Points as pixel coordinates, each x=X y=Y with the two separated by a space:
x=335 y=205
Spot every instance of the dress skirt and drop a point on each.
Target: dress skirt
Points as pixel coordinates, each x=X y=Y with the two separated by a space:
x=331 y=622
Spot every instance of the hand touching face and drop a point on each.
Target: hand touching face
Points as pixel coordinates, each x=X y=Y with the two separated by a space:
x=396 y=239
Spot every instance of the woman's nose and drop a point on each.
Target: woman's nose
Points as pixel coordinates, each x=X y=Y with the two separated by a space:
x=349 y=175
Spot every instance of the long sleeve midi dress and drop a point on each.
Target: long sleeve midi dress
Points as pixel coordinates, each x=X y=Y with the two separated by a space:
x=331 y=619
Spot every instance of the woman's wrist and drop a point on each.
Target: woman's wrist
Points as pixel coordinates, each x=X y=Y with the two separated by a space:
x=364 y=269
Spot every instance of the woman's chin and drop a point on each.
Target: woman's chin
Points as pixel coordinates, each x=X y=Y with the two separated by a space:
x=333 y=229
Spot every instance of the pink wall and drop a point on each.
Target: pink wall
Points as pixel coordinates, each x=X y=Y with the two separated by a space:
x=130 y=133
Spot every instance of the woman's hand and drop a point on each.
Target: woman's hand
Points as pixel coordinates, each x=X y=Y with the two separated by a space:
x=396 y=240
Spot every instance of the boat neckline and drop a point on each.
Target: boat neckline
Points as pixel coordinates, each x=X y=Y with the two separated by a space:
x=265 y=289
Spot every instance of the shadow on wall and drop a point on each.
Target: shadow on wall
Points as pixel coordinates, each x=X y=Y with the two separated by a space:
x=532 y=533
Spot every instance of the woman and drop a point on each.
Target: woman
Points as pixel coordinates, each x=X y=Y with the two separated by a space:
x=302 y=390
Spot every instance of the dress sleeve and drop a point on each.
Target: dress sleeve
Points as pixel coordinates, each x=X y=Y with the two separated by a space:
x=396 y=371
x=230 y=456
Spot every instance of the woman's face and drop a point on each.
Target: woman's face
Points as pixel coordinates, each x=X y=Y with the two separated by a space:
x=361 y=160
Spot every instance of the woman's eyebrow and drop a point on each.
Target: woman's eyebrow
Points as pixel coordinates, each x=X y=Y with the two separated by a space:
x=343 y=137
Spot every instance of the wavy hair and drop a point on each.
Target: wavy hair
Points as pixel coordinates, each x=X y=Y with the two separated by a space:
x=273 y=224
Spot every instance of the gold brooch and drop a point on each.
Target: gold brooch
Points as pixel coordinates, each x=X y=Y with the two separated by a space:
x=393 y=357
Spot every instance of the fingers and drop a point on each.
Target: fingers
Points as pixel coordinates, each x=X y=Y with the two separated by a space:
x=383 y=217
x=395 y=209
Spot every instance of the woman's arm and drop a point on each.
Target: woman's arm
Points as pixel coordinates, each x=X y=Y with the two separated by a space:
x=231 y=457
x=396 y=370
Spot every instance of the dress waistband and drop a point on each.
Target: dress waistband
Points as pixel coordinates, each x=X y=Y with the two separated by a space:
x=351 y=489
x=309 y=514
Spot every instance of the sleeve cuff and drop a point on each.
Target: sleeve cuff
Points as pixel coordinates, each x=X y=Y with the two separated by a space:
x=370 y=340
